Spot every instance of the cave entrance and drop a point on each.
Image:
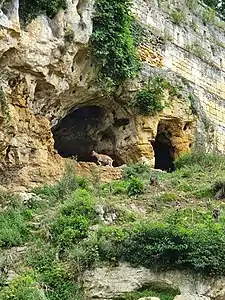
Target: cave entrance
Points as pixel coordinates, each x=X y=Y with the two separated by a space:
x=163 y=149
x=83 y=130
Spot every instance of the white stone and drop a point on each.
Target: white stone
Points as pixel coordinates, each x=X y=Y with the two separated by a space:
x=110 y=282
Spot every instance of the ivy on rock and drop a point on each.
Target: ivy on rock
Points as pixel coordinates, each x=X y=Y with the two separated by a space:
x=112 y=40
x=30 y=9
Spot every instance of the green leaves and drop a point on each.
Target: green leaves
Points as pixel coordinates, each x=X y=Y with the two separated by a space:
x=30 y=9
x=113 y=44
x=149 y=100
x=74 y=218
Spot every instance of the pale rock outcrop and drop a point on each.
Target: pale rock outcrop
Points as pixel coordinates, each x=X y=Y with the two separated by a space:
x=110 y=282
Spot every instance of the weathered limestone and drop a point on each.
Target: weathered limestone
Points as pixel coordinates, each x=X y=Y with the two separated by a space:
x=111 y=282
x=202 y=65
x=44 y=77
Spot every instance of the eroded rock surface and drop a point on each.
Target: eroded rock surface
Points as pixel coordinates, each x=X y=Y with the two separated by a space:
x=45 y=78
x=111 y=282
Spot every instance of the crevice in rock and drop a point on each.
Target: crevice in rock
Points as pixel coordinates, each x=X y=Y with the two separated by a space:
x=81 y=6
x=163 y=149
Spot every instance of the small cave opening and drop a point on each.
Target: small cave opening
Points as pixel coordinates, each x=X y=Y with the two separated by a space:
x=83 y=130
x=163 y=149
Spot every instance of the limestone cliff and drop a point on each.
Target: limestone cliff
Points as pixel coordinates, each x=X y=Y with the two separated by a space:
x=50 y=89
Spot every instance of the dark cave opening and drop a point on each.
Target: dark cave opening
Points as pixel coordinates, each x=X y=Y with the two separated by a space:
x=164 y=152
x=82 y=131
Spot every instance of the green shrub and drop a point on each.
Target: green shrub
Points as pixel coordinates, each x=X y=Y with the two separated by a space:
x=149 y=100
x=198 y=246
x=109 y=240
x=135 y=186
x=13 y=228
x=23 y=287
x=193 y=105
x=82 y=183
x=168 y=197
x=177 y=17
x=113 y=43
x=192 y=4
x=209 y=16
x=63 y=188
x=61 y=285
x=137 y=170
x=138 y=32
x=9 y=200
x=74 y=219
x=82 y=256
x=52 y=272
x=196 y=49
x=150 y=291
x=115 y=187
x=207 y=161
x=30 y=9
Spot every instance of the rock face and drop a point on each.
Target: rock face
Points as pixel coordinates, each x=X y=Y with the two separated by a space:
x=101 y=173
x=111 y=282
x=51 y=100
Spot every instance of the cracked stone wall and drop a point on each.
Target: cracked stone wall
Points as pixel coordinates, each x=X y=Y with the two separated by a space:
x=195 y=50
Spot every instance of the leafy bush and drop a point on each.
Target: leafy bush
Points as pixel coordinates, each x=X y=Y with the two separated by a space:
x=82 y=256
x=74 y=219
x=150 y=291
x=9 y=200
x=63 y=188
x=168 y=197
x=209 y=16
x=137 y=170
x=192 y=4
x=198 y=247
x=23 y=287
x=109 y=241
x=52 y=273
x=177 y=17
x=60 y=284
x=115 y=187
x=138 y=32
x=113 y=44
x=13 y=227
x=135 y=186
x=149 y=100
x=203 y=160
x=193 y=104
x=196 y=49
x=30 y=9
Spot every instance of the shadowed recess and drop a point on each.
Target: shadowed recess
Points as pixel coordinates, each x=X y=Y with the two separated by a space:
x=82 y=131
x=164 y=152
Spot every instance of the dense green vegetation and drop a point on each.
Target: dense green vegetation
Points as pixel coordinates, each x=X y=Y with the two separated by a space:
x=167 y=294
x=112 y=40
x=174 y=228
x=30 y=9
x=150 y=99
